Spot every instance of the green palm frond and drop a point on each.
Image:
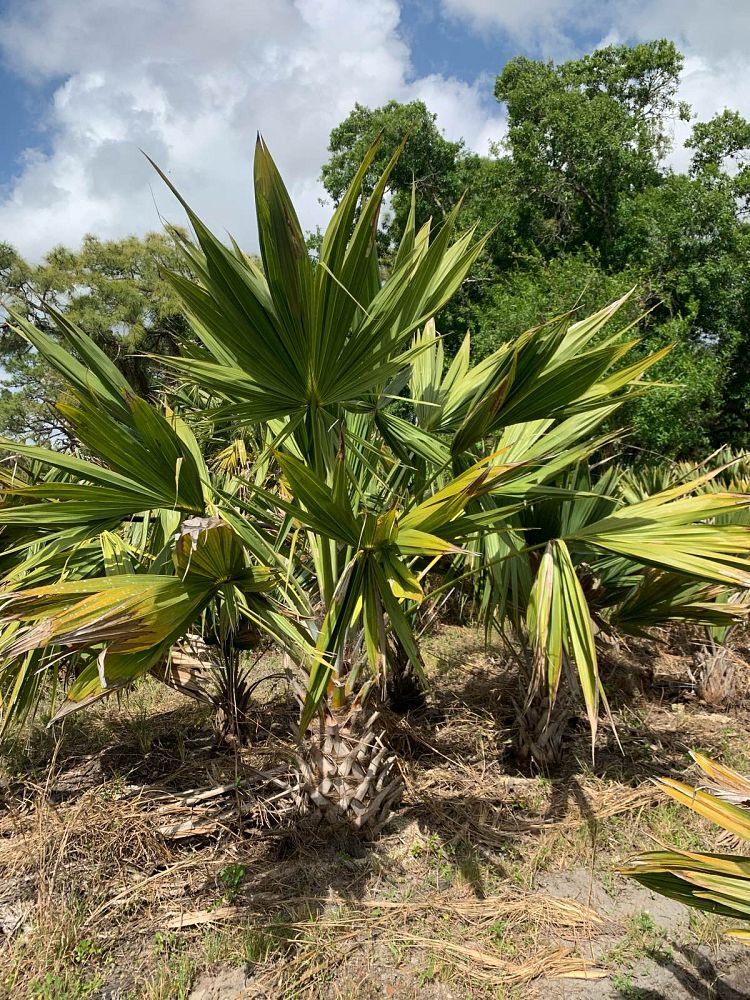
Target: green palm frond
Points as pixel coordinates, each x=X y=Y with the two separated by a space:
x=293 y=338
x=674 y=531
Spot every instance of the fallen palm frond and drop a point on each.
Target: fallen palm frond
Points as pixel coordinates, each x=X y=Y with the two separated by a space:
x=98 y=836
x=207 y=812
x=554 y=963
x=389 y=916
x=491 y=819
x=475 y=966
x=723 y=781
x=263 y=801
x=514 y=906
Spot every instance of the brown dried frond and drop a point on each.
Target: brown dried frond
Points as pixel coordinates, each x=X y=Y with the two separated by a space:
x=716 y=675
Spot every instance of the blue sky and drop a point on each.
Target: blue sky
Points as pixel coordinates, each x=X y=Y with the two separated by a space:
x=85 y=83
x=442 y=44
x=23 y=108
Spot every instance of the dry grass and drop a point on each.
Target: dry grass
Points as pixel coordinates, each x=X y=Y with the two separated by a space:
x=391 y=920
x=102 y=892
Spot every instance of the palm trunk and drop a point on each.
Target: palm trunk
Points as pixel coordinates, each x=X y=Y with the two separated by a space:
x=539 y=736
x=232 y=716
x=540 y=728
x=715 y=675
x=213 y=675
x=405 y=691
x=348 y=778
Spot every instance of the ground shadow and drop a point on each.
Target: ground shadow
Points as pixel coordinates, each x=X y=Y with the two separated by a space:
x=698 y=976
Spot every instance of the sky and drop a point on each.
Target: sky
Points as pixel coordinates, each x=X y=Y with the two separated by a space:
x=85 y=85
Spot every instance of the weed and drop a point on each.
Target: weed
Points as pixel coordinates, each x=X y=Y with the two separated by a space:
x=428 y=973
x=643 y=939
x=470 y=867
x=64 y=986
x=396 y=951
x=445 y=872
x=214 y=946
x=430 y=845
x=165 y=944
x=260 y=942
x=708 y=928
x=667 y=822
x=625 y=986
x=85 y=950
x=729 y=748
x=508 y=993
x=502 y=940
x=230 y=877
x=171 y=981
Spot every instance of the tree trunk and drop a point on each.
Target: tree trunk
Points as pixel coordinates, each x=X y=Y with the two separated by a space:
x=540 y=730
x=539 y=735
x=348 y=778
x=216 y=677
x=404 y=689
x=715 y=675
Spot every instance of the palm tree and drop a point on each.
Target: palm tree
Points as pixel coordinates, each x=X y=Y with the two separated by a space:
x=577 y=556
x=376 y=473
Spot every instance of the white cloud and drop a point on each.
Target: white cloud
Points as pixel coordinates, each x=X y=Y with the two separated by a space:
x=459 y=108
x=542 y=27
x=554 y=26
x=714 y=30
x=190 y=82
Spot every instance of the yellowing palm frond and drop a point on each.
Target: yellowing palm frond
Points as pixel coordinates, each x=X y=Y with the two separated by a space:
x=718 y=883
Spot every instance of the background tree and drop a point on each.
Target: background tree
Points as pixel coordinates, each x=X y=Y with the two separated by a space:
x=585 y=134
x=687 y=247
x=583 y=206
x=115 y=291
x=429 y=161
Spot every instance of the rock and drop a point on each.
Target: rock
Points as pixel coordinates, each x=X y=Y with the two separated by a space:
x=12 y=917
x=226 y=984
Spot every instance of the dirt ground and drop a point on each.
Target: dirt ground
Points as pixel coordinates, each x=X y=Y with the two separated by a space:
x=125 y=874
